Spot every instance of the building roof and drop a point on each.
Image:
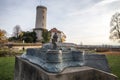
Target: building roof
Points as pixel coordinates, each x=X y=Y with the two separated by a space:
x=40 y=6
x=55 y=30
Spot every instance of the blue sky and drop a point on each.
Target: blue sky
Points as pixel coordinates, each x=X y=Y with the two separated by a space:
x=85 y=21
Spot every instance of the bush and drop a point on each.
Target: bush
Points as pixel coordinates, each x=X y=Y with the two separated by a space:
x=3 y=53
x=9 y=52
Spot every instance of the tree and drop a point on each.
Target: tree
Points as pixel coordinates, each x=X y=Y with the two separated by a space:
x=3 y=37
x=115 y=27
x=45 y=35
x=16 y=31
x=29 y=37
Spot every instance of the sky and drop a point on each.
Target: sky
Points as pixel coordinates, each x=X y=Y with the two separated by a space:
x=83 y=21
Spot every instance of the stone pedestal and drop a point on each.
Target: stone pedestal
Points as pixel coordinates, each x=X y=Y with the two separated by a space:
x=25 y=70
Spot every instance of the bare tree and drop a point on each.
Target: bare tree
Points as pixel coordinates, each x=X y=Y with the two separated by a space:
x=115 y=27
x=16 y=31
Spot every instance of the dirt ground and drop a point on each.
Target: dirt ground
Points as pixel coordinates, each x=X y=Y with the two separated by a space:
x=111 y=53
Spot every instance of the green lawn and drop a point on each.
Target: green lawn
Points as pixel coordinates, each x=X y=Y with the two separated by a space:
x=114 y=62
x=7 y=66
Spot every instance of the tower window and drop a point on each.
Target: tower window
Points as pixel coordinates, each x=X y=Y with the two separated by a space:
x=42 y=24
x=43 y=11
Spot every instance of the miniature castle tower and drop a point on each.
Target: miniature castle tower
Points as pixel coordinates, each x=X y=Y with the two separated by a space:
x=41 y=12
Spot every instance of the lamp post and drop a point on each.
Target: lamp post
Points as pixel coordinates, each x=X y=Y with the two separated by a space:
x=23 y=45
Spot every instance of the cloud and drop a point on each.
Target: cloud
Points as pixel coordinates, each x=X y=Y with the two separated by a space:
x=80 y=20
x=99 y=7
x=14 y=12
x=93 y=21
x=104 y=2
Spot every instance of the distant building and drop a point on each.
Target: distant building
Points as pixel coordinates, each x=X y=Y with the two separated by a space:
x=41 y=12
x=61 y=35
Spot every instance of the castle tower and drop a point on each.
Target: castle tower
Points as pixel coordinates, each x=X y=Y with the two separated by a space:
x=40 y=24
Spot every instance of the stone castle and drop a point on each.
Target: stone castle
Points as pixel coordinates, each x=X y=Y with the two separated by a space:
x=41 y=19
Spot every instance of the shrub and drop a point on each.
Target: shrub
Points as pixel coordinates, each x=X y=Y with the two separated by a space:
x=9 y=52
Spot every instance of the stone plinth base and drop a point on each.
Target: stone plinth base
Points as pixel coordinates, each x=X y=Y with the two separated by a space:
x=24 y=70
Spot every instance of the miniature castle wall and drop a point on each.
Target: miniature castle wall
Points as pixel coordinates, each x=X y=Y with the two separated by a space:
x=25 y=70
x=63 y=59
